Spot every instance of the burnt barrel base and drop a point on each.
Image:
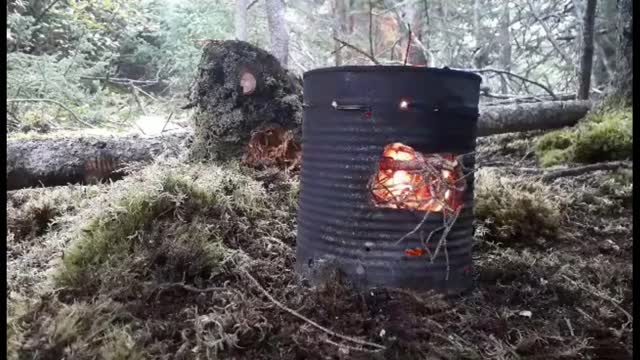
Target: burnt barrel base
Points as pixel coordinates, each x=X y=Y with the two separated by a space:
x=351 y=115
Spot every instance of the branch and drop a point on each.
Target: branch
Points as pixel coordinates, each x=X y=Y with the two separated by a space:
x=44 y=12
x=522 y=78
x=305 y=319
x=553 y=42
x=373 y=59
x=252 y=3
x=575 y=171
x=76 y=118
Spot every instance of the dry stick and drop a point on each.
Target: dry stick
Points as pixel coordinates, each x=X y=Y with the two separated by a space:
x=166 y=122
x=349 y=347
x=508 y=73
x=358 y=50
x=601 y=296
x=424 y=218
x=614 y=165
x=76 y=118
x=305 y=319
x=406 y=56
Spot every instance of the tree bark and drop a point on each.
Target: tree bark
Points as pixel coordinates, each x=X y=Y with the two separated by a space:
x=505 y=46
x=78 y=158
x=339 y=27
x=586 y=60
x=524 y=117
x=81 y=158
x=623 y=79
x=239 y=88
x=278 y=30
x=240 y=17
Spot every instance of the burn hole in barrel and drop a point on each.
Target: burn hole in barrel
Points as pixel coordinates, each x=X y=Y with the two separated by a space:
x=408 y=179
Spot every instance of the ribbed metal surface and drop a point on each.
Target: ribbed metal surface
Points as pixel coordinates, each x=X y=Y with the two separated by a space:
x=337 y=221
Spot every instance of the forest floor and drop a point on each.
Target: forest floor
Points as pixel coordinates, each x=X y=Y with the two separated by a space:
x=194 y=261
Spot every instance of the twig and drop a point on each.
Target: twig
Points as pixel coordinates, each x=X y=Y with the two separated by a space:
x=75 y=117
x=508 y=73
x=305 y=319
x=574 y=171
x=373 y=59
x=601 y=296
x=190 y=287
x=252 y=3
x=166 y=122
x=424 y=219
x=349 y=347
x=570 y=327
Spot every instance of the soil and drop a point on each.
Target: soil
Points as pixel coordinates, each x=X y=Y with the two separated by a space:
x=568 y=297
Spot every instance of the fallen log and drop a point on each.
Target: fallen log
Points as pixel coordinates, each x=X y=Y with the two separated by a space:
x=524 y=117
x=80 y=159
x=77 y=158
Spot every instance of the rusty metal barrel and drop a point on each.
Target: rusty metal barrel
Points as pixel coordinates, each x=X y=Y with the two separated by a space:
x=354 y=117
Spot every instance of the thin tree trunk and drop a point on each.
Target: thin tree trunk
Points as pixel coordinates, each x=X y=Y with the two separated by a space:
x=240 y=17
x=586 y=60
x=505 y=45
x=339 y=27
x=278 y=30
x=623 y=80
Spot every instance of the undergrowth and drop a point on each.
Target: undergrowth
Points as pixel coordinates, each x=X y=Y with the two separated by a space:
x=605 y=135
x=515 y=211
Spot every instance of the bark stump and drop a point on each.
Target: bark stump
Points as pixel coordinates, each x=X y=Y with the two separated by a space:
x=238 y=89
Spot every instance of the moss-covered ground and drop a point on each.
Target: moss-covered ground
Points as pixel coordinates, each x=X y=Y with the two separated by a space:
x=161 y=265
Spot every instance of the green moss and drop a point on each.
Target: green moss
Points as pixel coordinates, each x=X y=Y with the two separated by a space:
x=166 y=224
x=605 y=135
x=515 y=212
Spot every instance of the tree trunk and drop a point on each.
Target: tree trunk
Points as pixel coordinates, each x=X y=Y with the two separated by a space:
x=525 y=117
x=239 y=88
x=586 y=60
x=240 y=17
x=623 y=79
x=505 y=46
x=81 y=158
x=339 y=27
x=278 y=30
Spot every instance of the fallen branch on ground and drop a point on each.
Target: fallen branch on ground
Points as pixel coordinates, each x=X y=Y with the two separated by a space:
x=575 y=171
x=305 y=319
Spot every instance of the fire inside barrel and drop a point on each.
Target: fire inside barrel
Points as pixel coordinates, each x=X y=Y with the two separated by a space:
x=407 y=179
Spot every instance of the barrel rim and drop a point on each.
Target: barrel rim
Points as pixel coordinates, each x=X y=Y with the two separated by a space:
x=393 y=68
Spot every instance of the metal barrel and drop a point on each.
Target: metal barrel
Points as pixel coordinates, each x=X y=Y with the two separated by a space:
x=351 y=114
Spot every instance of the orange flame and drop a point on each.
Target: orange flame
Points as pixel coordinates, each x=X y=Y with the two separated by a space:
x=407 y=189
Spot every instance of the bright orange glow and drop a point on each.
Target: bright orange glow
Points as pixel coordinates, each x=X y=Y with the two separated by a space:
x=401 y=188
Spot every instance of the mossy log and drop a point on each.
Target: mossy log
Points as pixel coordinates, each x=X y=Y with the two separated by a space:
x=240 y=88
x=77 y=158
x=545 y=115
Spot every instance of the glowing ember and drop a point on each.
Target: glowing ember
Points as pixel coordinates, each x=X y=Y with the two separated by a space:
x=407 y=179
